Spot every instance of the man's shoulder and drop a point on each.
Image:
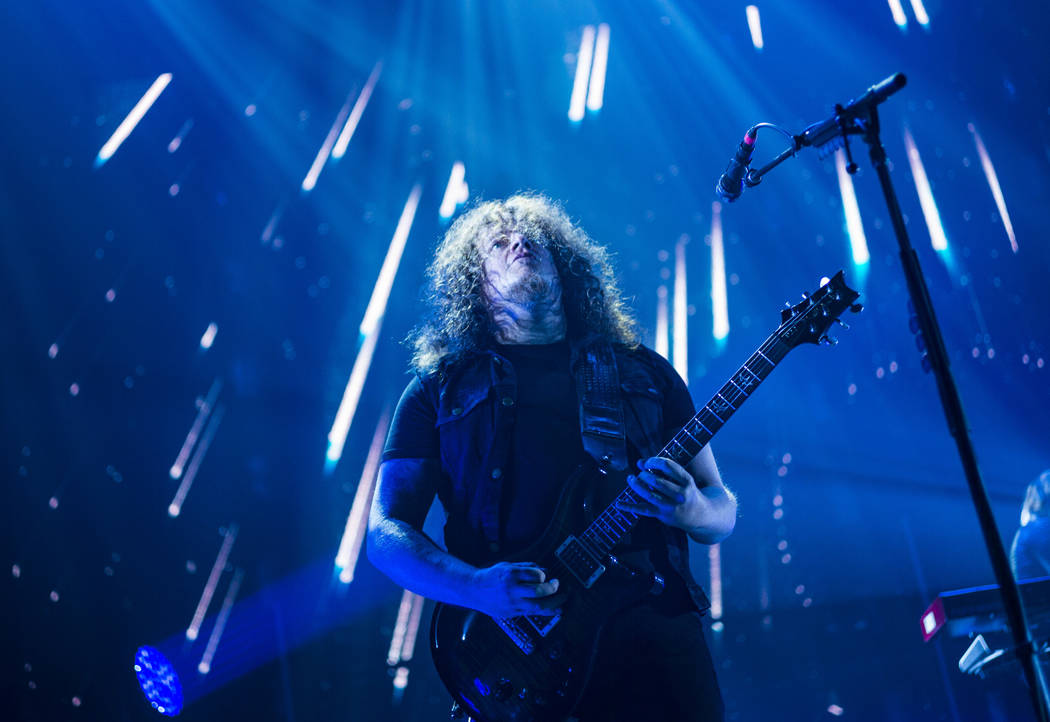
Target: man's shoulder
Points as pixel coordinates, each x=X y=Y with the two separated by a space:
x=641 y=357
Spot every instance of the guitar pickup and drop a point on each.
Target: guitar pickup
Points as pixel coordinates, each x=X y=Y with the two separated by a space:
x=580 y=561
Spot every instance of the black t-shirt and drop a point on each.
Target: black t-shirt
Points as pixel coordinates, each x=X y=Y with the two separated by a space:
x=546 y=447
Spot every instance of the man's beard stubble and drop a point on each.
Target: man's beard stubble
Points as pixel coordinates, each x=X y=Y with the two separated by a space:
x=533 y=289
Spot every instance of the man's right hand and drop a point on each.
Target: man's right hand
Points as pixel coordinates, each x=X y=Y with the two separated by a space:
x=512 y=589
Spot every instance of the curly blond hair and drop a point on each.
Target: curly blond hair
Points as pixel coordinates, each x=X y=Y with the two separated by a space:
x=459 y=322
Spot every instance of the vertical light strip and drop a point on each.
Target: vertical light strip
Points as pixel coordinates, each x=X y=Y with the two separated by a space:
x=355 y=115
x=191 y=438
x=993 y=183
x=583 y=72
x=661 y=345
x=408 y=647
x=456 y=192
x=175 y=142
x=755 y=25
x=854 y=228
x=920 y=13
x=326 y=149
x=596 y=92
x=357 y=520
x=370 y=326
x=271 y=225
x=898 y=14
x=714 y=559
x=209 y=335
x=213 y=579
x=381 y=293
x=175 y=507
x=719 y=297
x=220 y=623
x=400 y=636
x=124 y=129
x=922 y=184
x=681 y=310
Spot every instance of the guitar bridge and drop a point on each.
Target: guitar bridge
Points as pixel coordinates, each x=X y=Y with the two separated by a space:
x=514 y=630
x=580 y=561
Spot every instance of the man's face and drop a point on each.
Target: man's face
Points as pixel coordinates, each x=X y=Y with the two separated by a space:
x=516 y=269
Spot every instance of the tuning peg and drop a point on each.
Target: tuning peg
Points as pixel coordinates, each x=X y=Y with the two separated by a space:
x=856 y=307
x=842 y=323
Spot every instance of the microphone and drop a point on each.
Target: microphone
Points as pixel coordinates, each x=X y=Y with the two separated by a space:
x=731 y=184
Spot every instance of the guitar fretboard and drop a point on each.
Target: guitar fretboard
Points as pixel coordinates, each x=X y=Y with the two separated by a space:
x=613 y=524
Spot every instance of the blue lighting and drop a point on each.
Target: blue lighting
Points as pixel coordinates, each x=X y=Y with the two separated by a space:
x=159 y=681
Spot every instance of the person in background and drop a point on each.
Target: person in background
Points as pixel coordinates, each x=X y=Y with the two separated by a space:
x=1030 y=551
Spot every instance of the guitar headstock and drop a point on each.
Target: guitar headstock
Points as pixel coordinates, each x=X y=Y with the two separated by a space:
x=808 y=320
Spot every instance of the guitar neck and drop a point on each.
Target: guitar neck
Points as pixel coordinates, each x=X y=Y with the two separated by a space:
x=613 y=524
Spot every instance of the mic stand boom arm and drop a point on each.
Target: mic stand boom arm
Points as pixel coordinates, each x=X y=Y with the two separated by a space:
x=861 y=118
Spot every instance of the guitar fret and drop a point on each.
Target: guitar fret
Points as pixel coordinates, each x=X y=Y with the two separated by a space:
x=708 y=410
x=680 y=447
x=719 y=395
x=701 y=423
x=744 y=393
x=766 y=358
x=686 y=432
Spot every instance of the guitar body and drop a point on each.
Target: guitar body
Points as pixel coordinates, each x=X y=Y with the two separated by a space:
x=533 y=668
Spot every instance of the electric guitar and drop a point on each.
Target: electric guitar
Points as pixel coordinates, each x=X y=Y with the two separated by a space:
x=534 y=668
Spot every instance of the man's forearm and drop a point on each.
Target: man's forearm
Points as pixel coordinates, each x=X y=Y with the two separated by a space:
x=413 y=560
x=720 y=518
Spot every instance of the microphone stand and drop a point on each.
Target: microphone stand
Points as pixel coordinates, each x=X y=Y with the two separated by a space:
x=861 y=118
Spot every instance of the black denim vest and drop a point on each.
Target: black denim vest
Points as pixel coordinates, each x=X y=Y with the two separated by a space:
x=476 y=397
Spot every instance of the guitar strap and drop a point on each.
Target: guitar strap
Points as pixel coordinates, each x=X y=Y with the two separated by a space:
x=601 y=406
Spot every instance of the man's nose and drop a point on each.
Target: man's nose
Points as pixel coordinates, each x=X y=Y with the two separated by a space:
x=521 y=242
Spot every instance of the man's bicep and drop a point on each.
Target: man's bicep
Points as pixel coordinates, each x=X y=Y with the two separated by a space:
x=405 y=491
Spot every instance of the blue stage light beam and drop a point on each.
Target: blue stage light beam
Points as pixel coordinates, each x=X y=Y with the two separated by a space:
x=213 y=580
x=920 y=13
x=719 y=295
x=355 y=115
x=208 y=338
x=310 y=181
x=204 y=666
x=175 y=507
x=754 y=24
x=204 y=408
x=680 y=310
x=854 y=228
x=993 y=184
x=457 y=192
x=660 y=344
x=369 y=331
x=128 y=124
x=357 y=521
x=938 y=239
x=176 y=142
x=898 y=14
x=596 y=89
x=583 y=72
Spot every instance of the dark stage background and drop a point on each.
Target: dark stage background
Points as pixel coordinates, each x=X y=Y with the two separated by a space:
x=853 y=509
